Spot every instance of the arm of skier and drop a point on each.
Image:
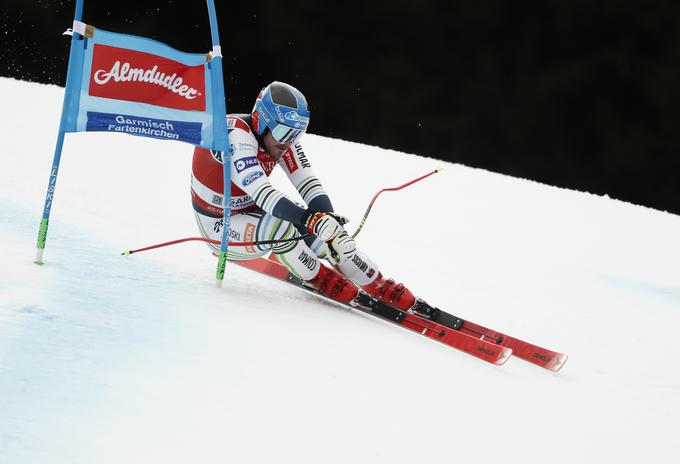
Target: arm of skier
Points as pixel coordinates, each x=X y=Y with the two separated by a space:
x=299 y=170
x=319 y=218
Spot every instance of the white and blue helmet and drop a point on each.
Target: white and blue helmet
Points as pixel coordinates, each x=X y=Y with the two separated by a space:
x=283 y=110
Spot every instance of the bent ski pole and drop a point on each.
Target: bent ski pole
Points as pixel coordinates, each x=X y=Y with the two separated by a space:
x=215 y=242
x=368 y=210
x=273 y=242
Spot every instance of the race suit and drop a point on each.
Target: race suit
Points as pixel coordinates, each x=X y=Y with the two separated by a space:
x=260 y=212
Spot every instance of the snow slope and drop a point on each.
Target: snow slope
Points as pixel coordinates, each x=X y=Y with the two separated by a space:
x=140 y=359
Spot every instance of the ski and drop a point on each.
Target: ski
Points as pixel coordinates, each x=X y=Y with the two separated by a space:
x=488 y=351
x=542 y=357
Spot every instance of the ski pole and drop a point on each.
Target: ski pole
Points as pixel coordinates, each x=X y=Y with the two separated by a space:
x=389 y=189
x=215 y=242
x=273 y=242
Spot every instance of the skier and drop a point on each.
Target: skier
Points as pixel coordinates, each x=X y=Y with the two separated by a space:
x=268 y=137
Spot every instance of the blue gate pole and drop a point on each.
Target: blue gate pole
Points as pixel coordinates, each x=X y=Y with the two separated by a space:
x=220 y=124
x=51 y=186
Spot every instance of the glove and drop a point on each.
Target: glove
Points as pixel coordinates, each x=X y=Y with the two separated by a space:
x=341 y=248
x=326 y=226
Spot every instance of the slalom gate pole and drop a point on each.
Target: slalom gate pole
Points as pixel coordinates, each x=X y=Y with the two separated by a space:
x=221 y=111
x=272 y=242
x=390 y=189
x=52 y=184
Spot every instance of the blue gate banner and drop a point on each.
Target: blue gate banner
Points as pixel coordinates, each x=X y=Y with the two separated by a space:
x=134 y=85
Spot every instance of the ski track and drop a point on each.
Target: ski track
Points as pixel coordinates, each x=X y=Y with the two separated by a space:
x=112 y=359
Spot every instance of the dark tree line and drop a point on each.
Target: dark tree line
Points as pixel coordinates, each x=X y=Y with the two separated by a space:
x=574 y=93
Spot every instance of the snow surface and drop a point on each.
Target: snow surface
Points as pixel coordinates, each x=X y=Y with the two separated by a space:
x=140 y=359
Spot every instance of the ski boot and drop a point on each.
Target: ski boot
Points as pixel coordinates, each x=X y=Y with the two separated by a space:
x=390 y=292
x=332 y=284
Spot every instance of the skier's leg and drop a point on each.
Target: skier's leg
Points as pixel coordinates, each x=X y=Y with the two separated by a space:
x=242 y=228
x=301 y=257
x=296 y=255
x=258 y=226
x=361 y=270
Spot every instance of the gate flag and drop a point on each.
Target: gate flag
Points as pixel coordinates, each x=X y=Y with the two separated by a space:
x=138 y=86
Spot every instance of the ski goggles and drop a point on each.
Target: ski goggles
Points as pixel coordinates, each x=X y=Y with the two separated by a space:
x=285 y=134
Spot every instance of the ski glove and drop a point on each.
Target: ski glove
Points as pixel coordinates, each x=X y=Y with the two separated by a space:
x=328 y=227
x=324 y=225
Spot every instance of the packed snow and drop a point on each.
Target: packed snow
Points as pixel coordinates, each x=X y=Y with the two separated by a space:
x=112 y=359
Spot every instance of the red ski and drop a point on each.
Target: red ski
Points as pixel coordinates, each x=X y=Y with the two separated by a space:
x=482 y=349
x=543 y=357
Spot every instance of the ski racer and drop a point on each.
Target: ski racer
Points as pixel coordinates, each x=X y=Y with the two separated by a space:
x=268 y=137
